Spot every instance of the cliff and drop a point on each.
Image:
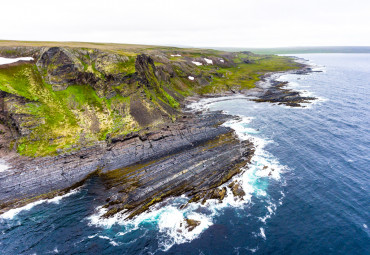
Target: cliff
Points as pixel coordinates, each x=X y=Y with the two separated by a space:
x=70 y=98
x=116 y=111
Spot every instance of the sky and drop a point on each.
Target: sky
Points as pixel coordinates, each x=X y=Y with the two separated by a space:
x=197 y=23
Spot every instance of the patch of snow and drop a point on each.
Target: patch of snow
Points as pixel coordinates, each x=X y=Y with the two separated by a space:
x=3 y=165
x=191 y=78
x=209 y=61
x=223 y=61
x=4 y=61
x=196 y=63
x=176 y=55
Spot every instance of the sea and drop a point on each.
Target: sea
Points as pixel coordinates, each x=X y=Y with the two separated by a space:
x=307 y=187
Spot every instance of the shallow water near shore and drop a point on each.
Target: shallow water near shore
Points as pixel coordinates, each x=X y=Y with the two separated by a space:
x=307 y=188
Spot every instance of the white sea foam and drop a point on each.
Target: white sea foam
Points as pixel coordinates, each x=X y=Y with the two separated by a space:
x=253 y=250
x=191 y=78
x=204 y=104
x=271 y=208
x=4 y=61
x=262 y=233
x=13 y=212
x=263 y=164
x=196 y=63
x=172 y=224
x=209 y=61
x=111 y=241
x=169 y=220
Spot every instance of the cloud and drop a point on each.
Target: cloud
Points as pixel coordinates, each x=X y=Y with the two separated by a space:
x=233 y=23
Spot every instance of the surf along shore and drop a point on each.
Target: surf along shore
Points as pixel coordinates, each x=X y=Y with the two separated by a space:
x=118 y=111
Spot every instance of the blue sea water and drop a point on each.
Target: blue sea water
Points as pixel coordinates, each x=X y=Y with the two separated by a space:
x=307 y=189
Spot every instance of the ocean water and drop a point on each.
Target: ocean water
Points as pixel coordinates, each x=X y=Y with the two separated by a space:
x=307 y=188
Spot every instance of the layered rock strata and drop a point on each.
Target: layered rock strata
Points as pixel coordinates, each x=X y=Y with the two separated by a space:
x=193 y=155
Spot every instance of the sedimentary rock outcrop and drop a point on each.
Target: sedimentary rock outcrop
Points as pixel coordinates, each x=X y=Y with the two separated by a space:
x=117 y=113
x=192 y=155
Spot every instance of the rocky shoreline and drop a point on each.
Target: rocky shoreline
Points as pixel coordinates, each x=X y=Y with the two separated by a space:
x=270 y=89
x=193 y=155
x=274 y=91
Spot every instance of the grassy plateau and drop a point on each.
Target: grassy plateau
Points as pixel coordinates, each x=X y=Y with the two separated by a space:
x=87 y=93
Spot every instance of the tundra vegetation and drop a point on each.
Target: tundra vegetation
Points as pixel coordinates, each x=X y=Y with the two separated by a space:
x=75 y=95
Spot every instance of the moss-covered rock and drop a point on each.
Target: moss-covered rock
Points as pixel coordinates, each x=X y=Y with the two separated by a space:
x=59 y=67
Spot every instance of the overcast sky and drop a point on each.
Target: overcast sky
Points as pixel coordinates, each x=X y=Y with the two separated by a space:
x=202 y=23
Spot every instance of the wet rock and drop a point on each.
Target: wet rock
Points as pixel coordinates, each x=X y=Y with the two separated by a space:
x=219 y=194
x=197 y=197
x=237 y=190
x=277 y=93
x=191 y=224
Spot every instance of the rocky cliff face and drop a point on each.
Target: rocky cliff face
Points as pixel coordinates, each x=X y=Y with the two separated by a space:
x=79 y=98
x=75 y=97
x=74 y=112
x=59 y=107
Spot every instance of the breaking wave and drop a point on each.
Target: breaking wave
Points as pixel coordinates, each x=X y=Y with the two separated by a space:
x=9 y=215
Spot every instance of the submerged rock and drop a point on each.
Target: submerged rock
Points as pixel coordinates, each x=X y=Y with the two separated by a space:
x=237 y=190
x=277 y=93
x=191 y=224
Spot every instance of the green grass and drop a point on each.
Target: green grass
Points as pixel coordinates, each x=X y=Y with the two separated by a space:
x=61 y=121
x=62 y=116
x=128 y=67
x=244 y=76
